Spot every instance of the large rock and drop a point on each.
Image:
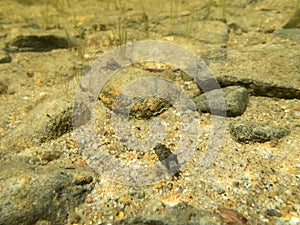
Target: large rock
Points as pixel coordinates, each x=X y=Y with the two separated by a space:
x=294 y=21
x=30 y=193
x=141 y=107
x=270 y=70
x=47 y=121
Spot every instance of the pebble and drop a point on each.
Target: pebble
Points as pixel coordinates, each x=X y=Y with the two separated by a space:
x=272 y=212
x=89 y=200
x=121 y=215
x=4 y=58
x=246 y=132
x=235 y=97
x=3 y=88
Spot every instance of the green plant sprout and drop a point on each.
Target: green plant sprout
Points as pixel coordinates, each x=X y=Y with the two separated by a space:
x=223 y=4
x=80 y=53
x=65 y=86
x=68 y=38
x=45 y=16
x=122 y=31
x=175 y=7
x=146 y=25
x=145 y=18
x=120 y=5
x=208 y=7
x=78 y=48
x=188 y=27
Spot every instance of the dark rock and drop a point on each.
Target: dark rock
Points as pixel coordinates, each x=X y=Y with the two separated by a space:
x=273 y=212
x=290 y=34
x=246 y=132
x=180 y=214
x=238 y=27
x=236 y=100
x=31 y=193
x=35 y=43
x=3 y=88
x=260 y=88
x=168 y=159
x=58 y=123
x=4 y=58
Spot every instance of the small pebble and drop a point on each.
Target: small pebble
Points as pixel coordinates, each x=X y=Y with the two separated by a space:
x=89 y=200
x=121 y=215
x=82 y=162
x=273 y=212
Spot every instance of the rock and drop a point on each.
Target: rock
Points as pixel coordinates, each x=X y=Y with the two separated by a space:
x=3 y=88
x=180 y=214
x=218 y=35
x=167 y=158
x=4 y=58
x=231 y=216
x=149 y=107
x=35 y=43
x=246 y=132
x=141 y=107
x=273 y=212
x=275 y=74
x=151 y=90
x=31 y=193
x=214 y=55
x=291 y=34
x=236 y=100
x=294 y=21
x=47 y=121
